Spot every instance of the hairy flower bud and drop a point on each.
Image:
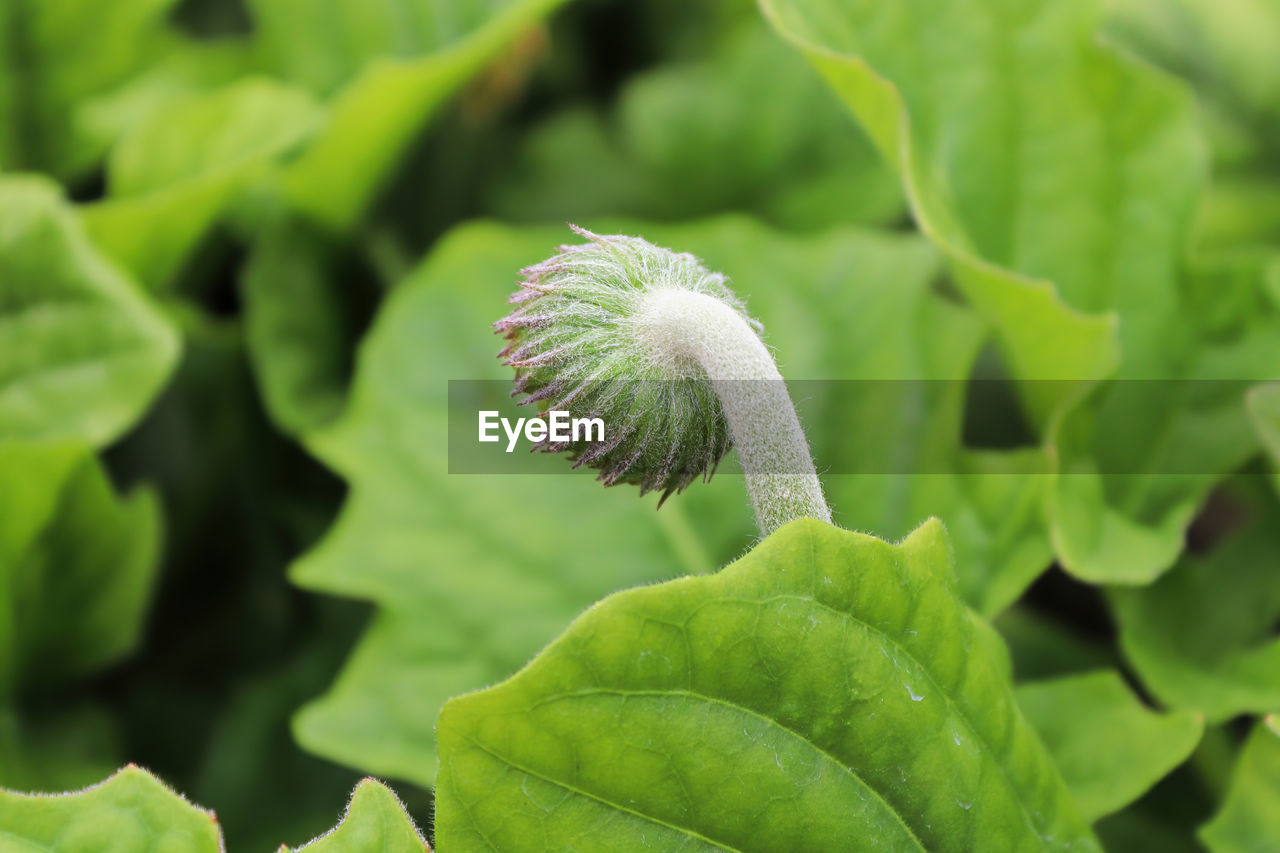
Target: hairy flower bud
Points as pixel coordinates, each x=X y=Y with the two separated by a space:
x=581 y=339
x=657 y=347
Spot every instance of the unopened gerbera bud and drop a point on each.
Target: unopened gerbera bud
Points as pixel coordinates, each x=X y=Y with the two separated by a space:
x=658 y=347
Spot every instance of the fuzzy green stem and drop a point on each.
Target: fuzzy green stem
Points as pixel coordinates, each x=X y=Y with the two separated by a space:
x=685 y=328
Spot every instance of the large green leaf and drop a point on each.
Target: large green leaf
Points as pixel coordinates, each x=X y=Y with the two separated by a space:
x=1203 y=636
x=76 y=565
x=56 y=55
x=465 y=600
x=82 y=353
x=176 y=170
x=969 y=101
x=1109 y=747
x=1249 y=820
x=827 y=691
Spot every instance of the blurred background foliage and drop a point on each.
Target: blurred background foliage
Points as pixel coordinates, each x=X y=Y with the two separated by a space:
x=233 y=191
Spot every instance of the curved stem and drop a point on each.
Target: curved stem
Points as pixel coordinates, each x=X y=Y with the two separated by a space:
x=686 y=327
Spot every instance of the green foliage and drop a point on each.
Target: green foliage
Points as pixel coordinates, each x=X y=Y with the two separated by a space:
x=375 y=116
x=1102 y=214
x=938 y=125
x=175 y=172
x=1249 y=821
x=135 y=811
x=295 y=325
x=826 y=686
x=1109 y=748
x=749 y=128
x=375 y=822
x=69 y=548
x=1202 y=637
x=513 y=600
x=402 y=498
x=1219 y=48
x=43 y=96
x=83 y=353
x=1017 y=260
x=130 y=811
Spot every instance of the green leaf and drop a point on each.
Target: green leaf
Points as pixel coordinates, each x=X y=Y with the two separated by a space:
x=847 y=305
x=375 y=822
x=1222 y=46
x=193 y=66
x=1110 y=748
x=681 y=143
x=1202 y=637
x=966 y=102
x=134 y=811
x=322 y=45
x=969 y=101
x=131 y=811
x=295 y=324
x=83 y=353
x=176 y=171
x=1249 y=820
x=1181 y=436
x=76 y=565
x=405 y=74
x=1218 y=48
x=56 y=55
x=828 y=686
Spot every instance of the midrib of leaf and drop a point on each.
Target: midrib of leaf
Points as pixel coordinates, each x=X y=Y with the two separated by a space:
x=955 y=710
x=733 y=706
x=573 y=789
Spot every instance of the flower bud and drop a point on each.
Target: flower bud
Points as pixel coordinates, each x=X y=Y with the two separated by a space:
x=580 y=342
